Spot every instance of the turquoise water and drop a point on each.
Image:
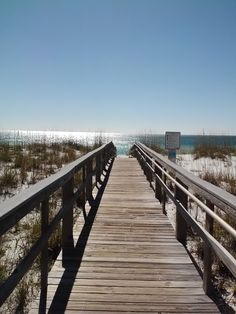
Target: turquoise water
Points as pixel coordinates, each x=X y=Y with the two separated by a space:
x=123 y=142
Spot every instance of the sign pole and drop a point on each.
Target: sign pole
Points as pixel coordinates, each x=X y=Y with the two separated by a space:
x=172 y=155
x=172 y=143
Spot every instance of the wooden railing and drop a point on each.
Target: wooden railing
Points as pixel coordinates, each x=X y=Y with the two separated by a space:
x=158 y=170
x=93 y=166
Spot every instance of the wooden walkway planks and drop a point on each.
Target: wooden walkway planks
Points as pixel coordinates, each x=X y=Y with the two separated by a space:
x=131 y=262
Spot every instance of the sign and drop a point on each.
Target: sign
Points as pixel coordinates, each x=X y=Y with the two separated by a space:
x=172 y=140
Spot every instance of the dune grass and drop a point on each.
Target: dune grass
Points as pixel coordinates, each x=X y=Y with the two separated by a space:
x=23 y=165
x=213 y=151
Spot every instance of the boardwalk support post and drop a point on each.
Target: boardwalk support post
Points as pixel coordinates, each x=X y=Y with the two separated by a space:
x=44 y=254
x=67 y=225
x=207 y=259
x=158 y=187
x=181 y=225
x=98 y=168
x=164 y=197
x=89 y=183
x=84 y=192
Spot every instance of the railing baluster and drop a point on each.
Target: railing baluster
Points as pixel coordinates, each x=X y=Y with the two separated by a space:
x=207 y=259
x=44 y=254
x=181 y=225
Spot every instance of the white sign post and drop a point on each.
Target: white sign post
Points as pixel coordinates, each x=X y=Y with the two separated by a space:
x=172 y=142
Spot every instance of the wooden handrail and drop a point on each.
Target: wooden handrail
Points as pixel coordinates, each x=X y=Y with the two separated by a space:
x=155 y=166
x=219 y=197
x=14 y=209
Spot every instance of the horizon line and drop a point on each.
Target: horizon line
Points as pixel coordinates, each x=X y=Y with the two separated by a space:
x=118 y=133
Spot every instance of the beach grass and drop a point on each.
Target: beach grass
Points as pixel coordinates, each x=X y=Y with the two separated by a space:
x=213 y=151
x=21 y=166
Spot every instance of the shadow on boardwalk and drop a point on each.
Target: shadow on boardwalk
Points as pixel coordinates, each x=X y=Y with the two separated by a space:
x=146 y=279
x=72 y=265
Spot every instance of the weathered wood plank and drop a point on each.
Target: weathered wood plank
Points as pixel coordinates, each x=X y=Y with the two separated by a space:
x=115 y=307
x=131 y=261
x=180 y=279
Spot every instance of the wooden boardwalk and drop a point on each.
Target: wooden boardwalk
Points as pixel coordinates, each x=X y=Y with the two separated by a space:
x=129 y=260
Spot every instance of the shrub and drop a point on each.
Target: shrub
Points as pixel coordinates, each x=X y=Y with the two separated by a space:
x=21 y=297
x=23 y=175
x=157 y=148
x=213 y=151
x=5 y=153
x=9 y=178
x=211 y=177
x=19 y=160
x=71 y=154
x=219 y=179
x=73 y=145
x=3 y=268
x=98 y=141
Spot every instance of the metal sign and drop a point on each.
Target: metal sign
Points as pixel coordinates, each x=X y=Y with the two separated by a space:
x=172 y=140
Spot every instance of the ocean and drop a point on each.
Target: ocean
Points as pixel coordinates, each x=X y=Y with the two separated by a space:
x=123 y=142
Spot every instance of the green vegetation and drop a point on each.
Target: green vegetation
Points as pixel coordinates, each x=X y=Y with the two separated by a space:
x=153 y=142
x=5 y=155
x=24 y=165
x=228 y=182
x=219 y=178
x=213 y=151
x=3 y=266
x=157 y=148
x=223 y=178
x=8 y=179
x=22 y=296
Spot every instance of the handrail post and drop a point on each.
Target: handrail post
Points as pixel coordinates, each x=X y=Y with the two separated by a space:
x=164 y=194
x=158 y=187
x=106 y=158
x=67 y=223
x=142 y=163
x=89 y=179
x=145 y=165
x=44 y=255
x=150 y=173
x=98 y=168
x=83 y=197
x=181 y=225
x=103 y=160
x=207 y=257
x=147 y=169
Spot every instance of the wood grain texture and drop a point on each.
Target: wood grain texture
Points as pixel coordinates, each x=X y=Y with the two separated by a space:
x=130 y=262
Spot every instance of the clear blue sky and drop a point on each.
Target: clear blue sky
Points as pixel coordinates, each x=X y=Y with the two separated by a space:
x=118 y=65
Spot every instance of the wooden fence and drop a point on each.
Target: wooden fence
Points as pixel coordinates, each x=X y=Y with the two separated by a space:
x=207 y=196
x=92 y=167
